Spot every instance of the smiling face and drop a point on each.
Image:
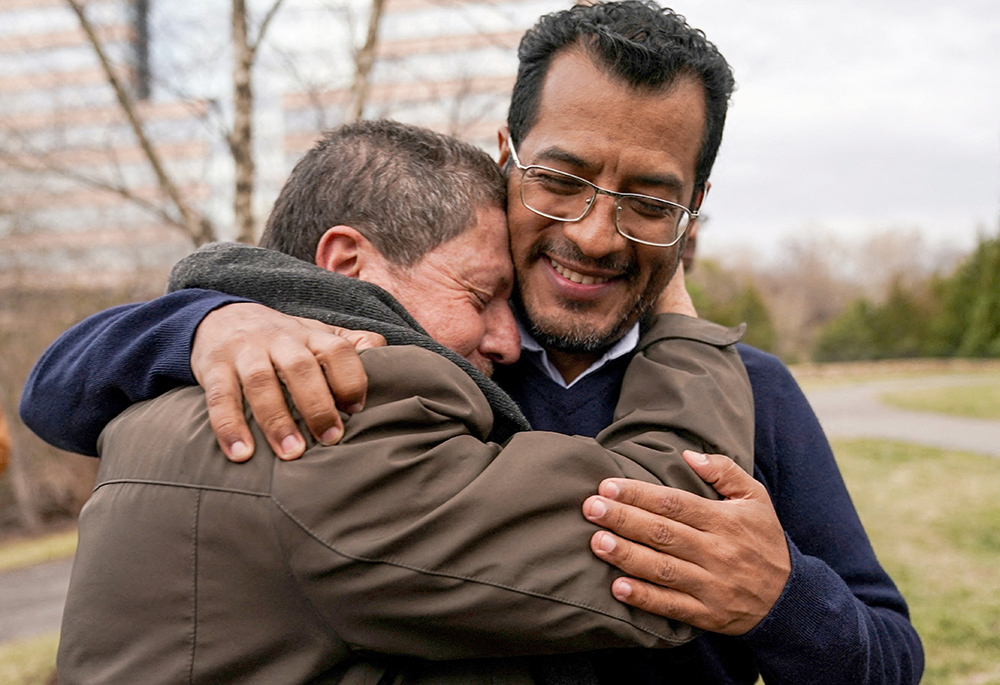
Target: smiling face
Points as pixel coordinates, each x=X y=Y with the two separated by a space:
x=459 y=291
x=581 y=284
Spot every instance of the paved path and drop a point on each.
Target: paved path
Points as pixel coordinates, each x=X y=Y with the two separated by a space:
x=855 y=411
x=31 y=599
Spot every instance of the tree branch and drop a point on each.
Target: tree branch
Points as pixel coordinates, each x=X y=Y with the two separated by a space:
x=93 y=182
x=241 y=140
x=262 y=31
x=196 y=225
x=364 y=61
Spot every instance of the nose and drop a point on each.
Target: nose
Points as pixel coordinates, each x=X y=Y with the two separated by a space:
x=501 y=343
x=595 y=234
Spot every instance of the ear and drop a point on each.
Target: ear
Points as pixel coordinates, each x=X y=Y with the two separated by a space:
x=699 y=197
x=343 y=250
x=503 y=136
x=690 y=247
x=691 y=239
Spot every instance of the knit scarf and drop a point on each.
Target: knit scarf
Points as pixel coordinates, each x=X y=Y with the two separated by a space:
x=298 y=288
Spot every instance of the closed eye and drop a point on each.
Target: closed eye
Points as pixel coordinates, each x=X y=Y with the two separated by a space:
x=556 y=183
x=480 y=299
x=650 y=207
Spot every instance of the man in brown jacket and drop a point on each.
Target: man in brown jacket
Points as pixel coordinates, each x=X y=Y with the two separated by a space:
x=439 y=527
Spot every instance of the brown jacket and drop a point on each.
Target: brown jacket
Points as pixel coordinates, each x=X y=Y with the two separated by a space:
x=414 y=536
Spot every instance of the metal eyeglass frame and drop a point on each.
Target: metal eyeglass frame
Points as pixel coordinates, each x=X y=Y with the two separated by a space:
x=598 y=190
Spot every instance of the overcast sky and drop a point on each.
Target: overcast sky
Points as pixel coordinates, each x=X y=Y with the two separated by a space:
x=854 y=116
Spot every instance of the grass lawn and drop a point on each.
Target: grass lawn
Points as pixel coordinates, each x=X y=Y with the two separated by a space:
x=18 y=552
x=934 y=520
x=979 y=401
x=29 y=662
x=812 y=376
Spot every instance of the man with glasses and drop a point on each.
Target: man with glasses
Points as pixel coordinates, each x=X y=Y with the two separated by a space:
x=613 y=105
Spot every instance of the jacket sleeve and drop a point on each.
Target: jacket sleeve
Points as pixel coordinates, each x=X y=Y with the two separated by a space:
x=427 y=541
x=840 y=619
x=111 y=360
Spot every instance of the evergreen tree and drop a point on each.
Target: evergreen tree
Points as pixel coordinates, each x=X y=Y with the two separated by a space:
x=970 y=323
x=719 y=297
x=898 y=328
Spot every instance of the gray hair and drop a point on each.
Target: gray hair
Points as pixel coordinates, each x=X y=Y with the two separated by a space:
x=405 y=188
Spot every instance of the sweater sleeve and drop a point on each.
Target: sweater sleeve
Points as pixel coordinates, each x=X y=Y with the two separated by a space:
x=840 y=618
x=111 y=360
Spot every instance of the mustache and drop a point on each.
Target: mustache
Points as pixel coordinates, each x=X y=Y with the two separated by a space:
x=567 y=250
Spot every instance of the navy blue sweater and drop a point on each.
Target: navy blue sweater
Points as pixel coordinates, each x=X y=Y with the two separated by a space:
x=840 y=619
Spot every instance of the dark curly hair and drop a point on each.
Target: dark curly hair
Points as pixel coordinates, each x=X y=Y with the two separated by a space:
x=636 y=41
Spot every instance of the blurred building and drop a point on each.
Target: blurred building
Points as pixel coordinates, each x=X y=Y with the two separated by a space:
x=79 y=202
x=64 y=144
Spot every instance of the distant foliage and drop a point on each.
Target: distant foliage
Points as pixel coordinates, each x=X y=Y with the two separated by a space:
x=43 y=484
x=721 y=297
x=944 y=316
x=897 y=329
x=970 y=322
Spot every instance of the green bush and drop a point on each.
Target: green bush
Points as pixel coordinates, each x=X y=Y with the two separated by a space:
x=897 y=329
x=720 y=297
x=970 y=323
x=946 y=316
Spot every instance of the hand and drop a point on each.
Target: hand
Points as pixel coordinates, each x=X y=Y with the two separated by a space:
x=717 y=565
x=675 y=298
x=248 y=348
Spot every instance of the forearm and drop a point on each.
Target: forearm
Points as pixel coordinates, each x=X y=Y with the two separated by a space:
x=109 y=361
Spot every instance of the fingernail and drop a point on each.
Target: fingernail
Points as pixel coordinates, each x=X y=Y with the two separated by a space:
x=597 y=509
x=698 y=457
x=290 y=445
x=606 y=542
x=240 y=450
x=611 y=489
x=331 y=436
x=355 y=408
x=622 y=588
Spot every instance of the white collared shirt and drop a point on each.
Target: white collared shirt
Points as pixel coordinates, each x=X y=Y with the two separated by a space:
x=540 y=358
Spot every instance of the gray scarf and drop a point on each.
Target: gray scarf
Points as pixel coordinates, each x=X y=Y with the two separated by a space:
x=297 y=288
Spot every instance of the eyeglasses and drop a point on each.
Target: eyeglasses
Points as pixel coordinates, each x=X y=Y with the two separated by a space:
x=565 y=197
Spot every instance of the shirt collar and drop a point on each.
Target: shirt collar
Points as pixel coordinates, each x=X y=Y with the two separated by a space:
x=540 y=358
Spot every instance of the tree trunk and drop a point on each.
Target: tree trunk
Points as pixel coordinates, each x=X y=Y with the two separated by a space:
x=241 y=142
x=363 y=62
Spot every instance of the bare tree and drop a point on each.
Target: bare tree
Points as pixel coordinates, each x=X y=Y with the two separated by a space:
x=364 y=60
x=169 y=204
x=241 y=138
x=195 y=224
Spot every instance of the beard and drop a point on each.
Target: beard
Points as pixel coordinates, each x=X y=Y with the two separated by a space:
x=564 y=332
